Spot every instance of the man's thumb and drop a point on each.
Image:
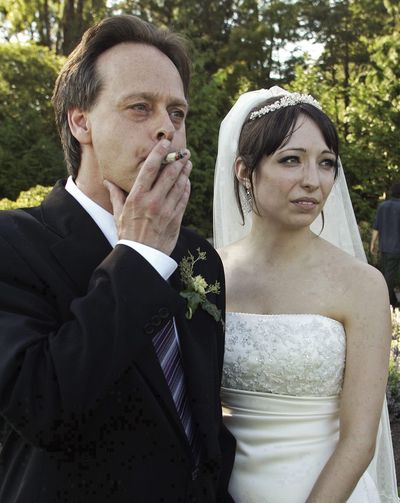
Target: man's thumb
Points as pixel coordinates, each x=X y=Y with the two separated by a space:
x=117 y=198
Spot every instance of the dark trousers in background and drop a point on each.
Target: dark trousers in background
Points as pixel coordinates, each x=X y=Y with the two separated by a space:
x=391 y=271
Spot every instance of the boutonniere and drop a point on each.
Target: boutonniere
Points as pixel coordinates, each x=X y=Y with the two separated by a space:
x=196 y=288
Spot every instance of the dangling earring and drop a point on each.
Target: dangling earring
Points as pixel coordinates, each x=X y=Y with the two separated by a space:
x=248 y=202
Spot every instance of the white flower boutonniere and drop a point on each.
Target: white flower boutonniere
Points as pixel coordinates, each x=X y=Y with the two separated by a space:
x=196 y=288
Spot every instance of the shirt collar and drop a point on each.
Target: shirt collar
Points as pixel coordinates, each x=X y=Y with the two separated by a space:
x=103 y=219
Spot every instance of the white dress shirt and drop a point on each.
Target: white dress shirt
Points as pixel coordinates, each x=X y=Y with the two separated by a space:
x=161 y=262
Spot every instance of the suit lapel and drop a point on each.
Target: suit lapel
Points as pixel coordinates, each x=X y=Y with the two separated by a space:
x=197 y=338
x=81 y=246
x=151 y=371
x=79 y=249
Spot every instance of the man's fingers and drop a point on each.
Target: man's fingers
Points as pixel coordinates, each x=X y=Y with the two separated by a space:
x=153 y=210
x=177 y=190
x=117 y=198
x=171 y=175
x=181 y=207
x=151 y=166
x=180 y=184
x=157 y=176
x=183 y=201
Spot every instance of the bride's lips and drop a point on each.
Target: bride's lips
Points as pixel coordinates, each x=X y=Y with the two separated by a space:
x=306 y=203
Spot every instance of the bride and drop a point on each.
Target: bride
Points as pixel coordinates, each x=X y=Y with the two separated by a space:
x=308 y=324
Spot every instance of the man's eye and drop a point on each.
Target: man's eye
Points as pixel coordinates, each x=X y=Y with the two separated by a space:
x=140 y=107
x=178 y=114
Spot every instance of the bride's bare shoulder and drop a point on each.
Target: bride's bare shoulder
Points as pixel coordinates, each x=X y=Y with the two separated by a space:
x=231 y=254
x=358 y=277
x=234 y=258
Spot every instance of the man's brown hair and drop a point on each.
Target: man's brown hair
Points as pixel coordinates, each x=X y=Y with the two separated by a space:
x=79 y=84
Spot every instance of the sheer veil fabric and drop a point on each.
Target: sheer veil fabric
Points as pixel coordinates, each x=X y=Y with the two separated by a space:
x=340 y=224
x=340 y=228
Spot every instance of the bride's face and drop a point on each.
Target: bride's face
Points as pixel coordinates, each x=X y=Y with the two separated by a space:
x=292 y=185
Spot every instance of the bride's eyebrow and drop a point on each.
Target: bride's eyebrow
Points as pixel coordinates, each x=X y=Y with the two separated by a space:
x=300 y=149
x=285 y=149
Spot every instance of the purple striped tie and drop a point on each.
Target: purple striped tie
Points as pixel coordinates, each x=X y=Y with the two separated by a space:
x=167 y=350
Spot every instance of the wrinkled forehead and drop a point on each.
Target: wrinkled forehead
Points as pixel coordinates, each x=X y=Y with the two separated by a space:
x=139 y=67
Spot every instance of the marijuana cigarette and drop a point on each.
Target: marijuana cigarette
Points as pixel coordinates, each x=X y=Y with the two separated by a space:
x=174 y=156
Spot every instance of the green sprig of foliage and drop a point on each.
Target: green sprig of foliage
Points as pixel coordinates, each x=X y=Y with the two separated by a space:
x=196 y=287
x=26 y=199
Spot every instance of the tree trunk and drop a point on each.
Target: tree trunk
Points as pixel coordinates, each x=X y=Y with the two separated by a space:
x=68 y=22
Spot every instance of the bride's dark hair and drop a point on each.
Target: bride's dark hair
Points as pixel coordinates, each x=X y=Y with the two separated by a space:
x=264 y=135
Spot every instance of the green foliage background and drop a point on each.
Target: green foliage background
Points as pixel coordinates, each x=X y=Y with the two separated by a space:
x=236 y=46
x=29 y=146
x=26 y=198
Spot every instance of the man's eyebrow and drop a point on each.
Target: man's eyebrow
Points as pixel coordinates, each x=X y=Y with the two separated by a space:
x=174 y=101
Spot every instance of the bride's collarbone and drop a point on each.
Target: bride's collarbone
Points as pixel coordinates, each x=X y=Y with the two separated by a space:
x=320 y=285
x=276 y=291
x=284 y=306
x=274 y=277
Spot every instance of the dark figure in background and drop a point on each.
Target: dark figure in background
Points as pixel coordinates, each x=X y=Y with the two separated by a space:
x=108 y=393
x=386 y=231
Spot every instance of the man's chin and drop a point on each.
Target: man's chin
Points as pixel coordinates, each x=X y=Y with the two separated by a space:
x=124 y=187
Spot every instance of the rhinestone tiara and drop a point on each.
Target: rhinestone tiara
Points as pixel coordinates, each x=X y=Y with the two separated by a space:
x=286 y=101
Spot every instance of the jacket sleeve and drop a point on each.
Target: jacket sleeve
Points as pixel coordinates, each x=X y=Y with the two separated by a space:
x=54 y=371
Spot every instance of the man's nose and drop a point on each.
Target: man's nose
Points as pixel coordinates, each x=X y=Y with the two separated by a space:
x=165 y=127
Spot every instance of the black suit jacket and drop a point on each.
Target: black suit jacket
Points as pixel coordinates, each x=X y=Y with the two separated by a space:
x=87 y=413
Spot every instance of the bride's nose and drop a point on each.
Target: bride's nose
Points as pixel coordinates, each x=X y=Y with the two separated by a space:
x=310 y=176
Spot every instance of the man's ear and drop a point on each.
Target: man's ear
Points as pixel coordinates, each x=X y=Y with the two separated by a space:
x=242 y=173
x=79 y=125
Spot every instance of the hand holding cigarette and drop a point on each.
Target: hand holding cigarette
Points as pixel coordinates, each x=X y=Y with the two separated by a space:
x=152 y=211
x=174 y=156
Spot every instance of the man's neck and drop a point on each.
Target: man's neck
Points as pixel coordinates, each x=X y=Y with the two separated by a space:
x=92 y=186
x=100 y=215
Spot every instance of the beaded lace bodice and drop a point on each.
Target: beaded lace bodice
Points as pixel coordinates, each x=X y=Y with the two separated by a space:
x=287 y=354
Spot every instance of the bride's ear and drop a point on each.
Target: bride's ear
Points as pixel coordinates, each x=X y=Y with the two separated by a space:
x=242 y=172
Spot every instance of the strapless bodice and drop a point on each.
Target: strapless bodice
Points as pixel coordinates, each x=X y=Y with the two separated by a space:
x=287 y=354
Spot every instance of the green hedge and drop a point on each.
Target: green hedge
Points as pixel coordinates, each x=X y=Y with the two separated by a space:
x=26 y=198
x=30 y=149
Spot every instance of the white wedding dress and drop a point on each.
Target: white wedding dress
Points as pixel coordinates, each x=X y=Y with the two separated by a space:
x=281 y=394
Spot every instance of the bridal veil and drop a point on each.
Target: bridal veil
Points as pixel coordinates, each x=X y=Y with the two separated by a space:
x=340 y=228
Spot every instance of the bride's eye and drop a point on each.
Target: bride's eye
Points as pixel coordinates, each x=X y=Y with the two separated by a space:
x=289 y=160
x=328 y=163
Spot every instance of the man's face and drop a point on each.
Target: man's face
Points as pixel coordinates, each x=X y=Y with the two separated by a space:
x=141 y=100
